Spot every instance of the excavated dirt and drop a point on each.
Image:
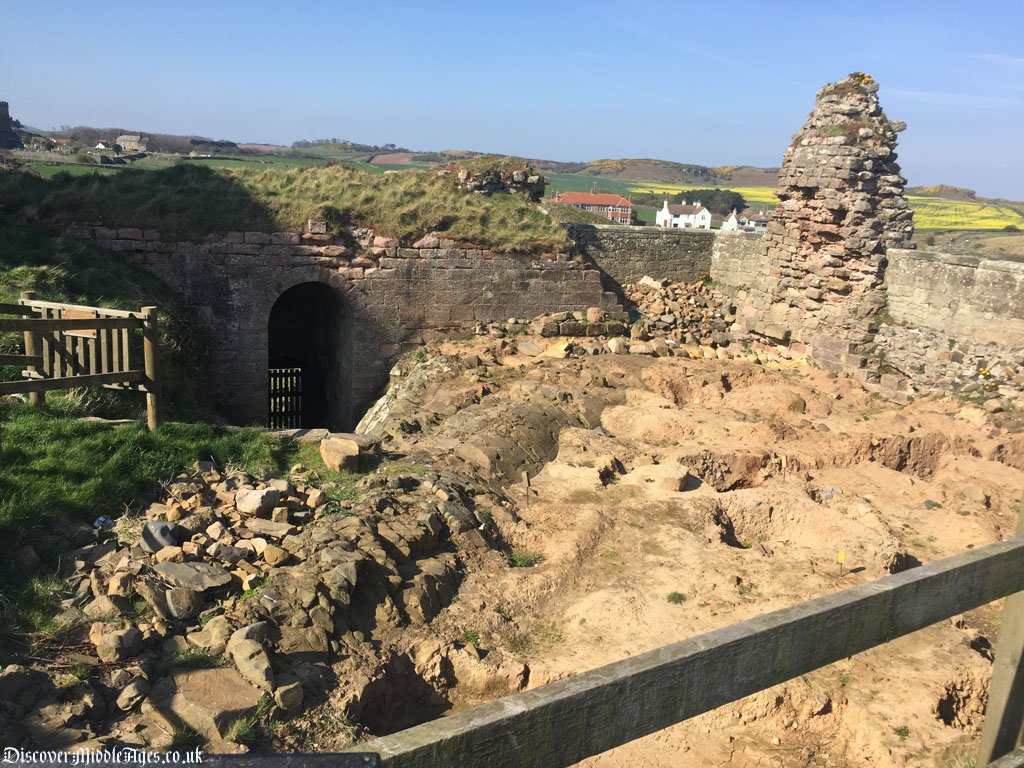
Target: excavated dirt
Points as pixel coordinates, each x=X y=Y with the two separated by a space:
x=731 y=486
x=540 y=512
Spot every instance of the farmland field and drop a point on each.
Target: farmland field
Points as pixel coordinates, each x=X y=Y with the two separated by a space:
x=937 y=213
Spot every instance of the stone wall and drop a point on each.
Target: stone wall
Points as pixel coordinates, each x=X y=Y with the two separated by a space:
x=625 y=254
x=841 y=206
x=963 y=296
x=953 y=322
x=8 y=138
x=391 y=298
x=739 y=261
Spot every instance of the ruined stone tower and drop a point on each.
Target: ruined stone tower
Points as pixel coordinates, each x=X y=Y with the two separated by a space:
x=841 y=205
x=8 y=138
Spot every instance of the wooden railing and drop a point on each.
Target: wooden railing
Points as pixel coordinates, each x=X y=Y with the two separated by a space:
x=558 y=725
x=68 y=345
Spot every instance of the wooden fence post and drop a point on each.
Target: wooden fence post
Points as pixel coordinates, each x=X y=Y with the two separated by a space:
x=31 y=348
x=150 y=348
x=1004 y=715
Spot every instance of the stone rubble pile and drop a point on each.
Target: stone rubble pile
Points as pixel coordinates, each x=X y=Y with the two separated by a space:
x=688 y=313
x=265 y=580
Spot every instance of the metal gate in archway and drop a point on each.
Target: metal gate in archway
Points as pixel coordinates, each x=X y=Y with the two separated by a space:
x=285 y=388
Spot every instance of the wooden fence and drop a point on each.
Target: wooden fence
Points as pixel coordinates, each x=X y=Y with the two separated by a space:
x=558 y=725
x=67 y=345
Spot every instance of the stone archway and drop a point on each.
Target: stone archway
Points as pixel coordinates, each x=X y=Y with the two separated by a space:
x=306 y=359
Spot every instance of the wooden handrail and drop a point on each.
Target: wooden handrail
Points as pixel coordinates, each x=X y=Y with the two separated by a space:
x=562 y=723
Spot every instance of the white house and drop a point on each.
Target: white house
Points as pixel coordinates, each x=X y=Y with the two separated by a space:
x=685 y=216
x=756 y=223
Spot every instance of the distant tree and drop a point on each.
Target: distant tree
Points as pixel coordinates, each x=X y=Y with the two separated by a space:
x=1011 y=228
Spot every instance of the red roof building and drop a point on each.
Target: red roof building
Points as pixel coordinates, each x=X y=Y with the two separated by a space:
x=616 y=208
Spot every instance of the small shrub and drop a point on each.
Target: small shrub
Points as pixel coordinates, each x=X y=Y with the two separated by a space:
x=524 y=559
x=902 y=731
x=676 y=598
x=471 y=637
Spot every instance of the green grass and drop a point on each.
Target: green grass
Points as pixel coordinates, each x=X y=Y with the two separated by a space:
x=191 y=201
x=471 y=636
x=676 y=598
x=55 y=467
x=65 y=269
x=524 y=559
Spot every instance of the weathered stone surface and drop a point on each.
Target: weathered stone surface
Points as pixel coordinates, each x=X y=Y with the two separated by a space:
x=133 y=693
x=257 y=501
x=343 y=450
x=213 y=637
x=206 y=700
x=275 y=556
x=253 y=663
x=183 y=603
x=159 y=534
x=194 y=576
x=117 y=644
x=841 y=205
x=269 y=528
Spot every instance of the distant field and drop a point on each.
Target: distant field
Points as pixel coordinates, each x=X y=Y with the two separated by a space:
x=937 y=213
x=753 y=195
x=257 y=161
x=75 y=169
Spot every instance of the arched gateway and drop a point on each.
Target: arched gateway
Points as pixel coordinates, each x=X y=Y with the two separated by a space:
x=306 y=359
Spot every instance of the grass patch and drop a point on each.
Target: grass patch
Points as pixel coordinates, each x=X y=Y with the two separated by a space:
x=193 y=658
x=902 y=731
x=471 y=636
x=191 y=201
x=338 y=486
x=55 y=468
x=68 y=270
x=676 y=598
x=257 y=586
x=524 y=559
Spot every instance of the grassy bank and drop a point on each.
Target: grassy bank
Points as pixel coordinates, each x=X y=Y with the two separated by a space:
x=191 y=201
x=65 y=269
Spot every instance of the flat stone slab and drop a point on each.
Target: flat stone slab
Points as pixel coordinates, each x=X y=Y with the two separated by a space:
x=195 y=576
x=206 y=700
x=269 y=527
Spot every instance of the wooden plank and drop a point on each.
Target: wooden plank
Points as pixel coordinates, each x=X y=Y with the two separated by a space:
x=23 y=360
x=17 y=309
x=149 y=351
x=81 y=314
x=60 y=324
x=1014 y=760
x=562 y=723
x=31 y=341
x=1003 y=730
x=63 y=382
x=56 y=305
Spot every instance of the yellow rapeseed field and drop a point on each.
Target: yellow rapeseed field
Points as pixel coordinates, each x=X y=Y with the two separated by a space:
x=929 y=212
x=938 y=213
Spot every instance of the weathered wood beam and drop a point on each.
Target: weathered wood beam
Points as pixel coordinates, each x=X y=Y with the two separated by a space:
x=77 y=324
x=562 y=723
x=1004 y=713
x=21 y=359
x=36 y=304
x=17 y=309
x=88 y=380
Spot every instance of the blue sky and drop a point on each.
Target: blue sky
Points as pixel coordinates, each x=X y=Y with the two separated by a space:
x=698 y=82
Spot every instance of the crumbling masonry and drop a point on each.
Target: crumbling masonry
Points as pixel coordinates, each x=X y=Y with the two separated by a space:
x=841 y=207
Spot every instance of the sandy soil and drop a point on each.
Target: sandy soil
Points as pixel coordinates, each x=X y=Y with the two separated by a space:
x=797 y=466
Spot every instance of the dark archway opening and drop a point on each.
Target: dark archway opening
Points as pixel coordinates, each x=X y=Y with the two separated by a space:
x=306 y=359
